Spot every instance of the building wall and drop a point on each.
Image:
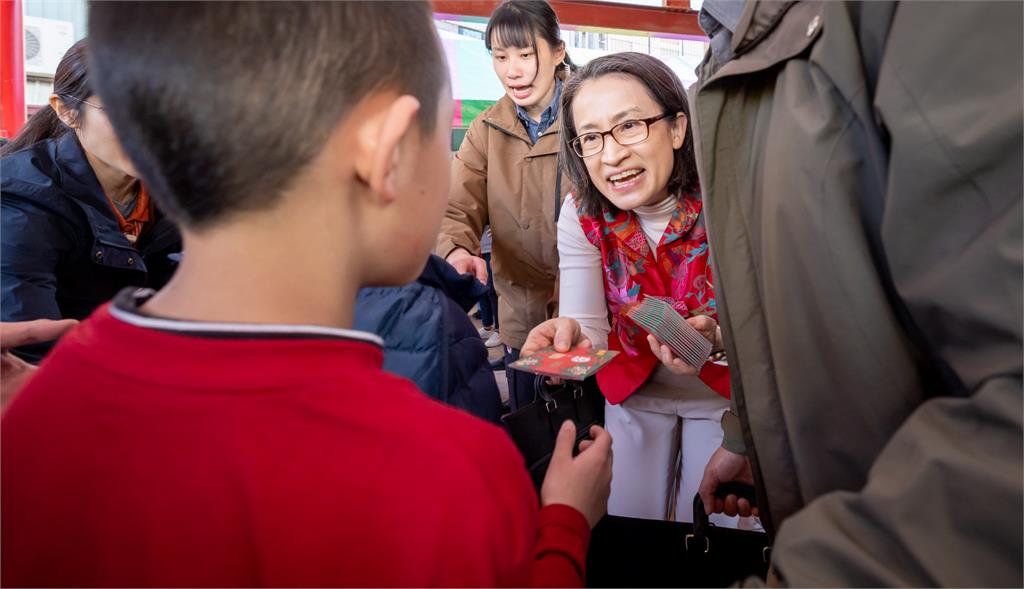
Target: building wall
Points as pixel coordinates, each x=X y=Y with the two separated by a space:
x=37 y=87
x=73 y=11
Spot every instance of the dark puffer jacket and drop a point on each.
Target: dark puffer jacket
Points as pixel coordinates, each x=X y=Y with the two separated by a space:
x=429 y=339
x=62 y=251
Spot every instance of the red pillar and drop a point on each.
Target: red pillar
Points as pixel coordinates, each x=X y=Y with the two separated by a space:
x=12 y=68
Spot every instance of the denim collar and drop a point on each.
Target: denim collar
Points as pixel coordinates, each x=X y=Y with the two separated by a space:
x=534 y=128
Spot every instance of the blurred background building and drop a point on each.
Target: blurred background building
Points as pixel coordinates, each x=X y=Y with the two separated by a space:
x=663 y=28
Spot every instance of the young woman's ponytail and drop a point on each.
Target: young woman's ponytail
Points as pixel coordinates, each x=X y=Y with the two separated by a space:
x=568 y=64
x=42 y=125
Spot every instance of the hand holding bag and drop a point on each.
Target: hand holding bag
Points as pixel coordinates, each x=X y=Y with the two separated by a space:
x=534 y=427
x=631 y=552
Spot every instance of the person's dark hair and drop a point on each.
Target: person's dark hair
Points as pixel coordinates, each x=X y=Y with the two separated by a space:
x=664 y=87
x=220 y=104
x=516 y=23
x=71 y=84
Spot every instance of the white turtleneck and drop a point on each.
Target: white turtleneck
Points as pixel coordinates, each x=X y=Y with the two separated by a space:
x=581 y=276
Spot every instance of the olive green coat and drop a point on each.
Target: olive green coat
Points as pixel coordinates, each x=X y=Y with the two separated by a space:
x=845 y=144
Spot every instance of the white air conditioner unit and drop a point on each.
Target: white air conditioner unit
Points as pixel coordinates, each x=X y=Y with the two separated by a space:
x=46 y=42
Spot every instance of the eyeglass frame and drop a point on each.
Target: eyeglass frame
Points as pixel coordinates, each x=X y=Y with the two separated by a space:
x=647 y=125
x=86 y=102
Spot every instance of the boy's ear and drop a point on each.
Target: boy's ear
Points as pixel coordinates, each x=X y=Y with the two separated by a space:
x=379 y=144
x=679 y=130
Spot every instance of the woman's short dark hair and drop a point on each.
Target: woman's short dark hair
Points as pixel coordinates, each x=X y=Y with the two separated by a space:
x=71 y=84
x=664 y=87
x=220 y=104
x=516 y=23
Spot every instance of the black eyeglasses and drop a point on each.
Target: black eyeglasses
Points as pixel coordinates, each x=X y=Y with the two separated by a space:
x=86 y=102
x=625 y=133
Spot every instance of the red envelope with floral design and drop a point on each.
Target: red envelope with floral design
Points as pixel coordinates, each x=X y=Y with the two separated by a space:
x=576 y=364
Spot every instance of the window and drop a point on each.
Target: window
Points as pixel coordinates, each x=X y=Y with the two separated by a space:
x=468 y=32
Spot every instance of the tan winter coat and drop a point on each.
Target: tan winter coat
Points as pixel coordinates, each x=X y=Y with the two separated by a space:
x=500 y=178
x=862 y=179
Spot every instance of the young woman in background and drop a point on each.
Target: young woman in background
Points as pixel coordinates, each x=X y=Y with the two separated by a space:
x=506 y=175
x=77 y=225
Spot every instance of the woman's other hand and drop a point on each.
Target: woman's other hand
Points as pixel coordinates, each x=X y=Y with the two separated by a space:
x=706 y=326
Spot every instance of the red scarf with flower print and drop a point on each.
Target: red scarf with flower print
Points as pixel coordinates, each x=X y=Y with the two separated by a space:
x=680 y=273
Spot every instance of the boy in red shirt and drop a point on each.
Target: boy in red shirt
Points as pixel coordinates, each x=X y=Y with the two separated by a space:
x=231 y=430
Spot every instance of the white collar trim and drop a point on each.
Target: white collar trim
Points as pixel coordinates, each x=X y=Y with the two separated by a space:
x=241 y=328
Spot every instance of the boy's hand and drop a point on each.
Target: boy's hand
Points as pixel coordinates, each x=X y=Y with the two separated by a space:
x=564 y=333
x=583 y=482
x=466 y=263
x=707 y=327
x=15 y=372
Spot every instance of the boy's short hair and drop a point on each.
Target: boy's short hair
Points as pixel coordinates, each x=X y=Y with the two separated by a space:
x=221 y=104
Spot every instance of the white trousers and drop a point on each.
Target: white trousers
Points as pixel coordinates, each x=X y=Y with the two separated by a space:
x=654 y=441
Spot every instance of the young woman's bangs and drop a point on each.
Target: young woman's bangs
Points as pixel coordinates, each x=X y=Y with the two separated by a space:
x=512 y=30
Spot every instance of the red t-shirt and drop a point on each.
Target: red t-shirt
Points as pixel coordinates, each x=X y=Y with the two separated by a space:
x=148 y=452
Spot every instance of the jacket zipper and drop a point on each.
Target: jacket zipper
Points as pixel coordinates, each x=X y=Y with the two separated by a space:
x=159 y=242
x=504 y=130
x=755 y=468
x=737 y=395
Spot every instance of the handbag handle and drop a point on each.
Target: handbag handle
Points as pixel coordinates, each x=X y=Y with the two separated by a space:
x=699 y=537
x=540 y=392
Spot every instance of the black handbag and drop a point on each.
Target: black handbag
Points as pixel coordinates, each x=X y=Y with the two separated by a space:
x=631 y=552
x=535 y=426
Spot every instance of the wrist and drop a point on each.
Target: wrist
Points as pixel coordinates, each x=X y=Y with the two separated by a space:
x=565 y=514
x=458 y=252
x=732 y=433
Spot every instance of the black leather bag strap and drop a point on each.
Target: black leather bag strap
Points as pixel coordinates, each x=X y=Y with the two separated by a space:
x=540 y=393
x=699 y=540
x=558 y=186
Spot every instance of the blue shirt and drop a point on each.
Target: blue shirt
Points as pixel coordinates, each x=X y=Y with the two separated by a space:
x=533 y=128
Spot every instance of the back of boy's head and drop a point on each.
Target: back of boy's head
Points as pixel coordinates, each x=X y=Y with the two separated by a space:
x=221 y=104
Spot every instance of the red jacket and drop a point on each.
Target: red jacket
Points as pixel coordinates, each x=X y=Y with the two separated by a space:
x=163 y=453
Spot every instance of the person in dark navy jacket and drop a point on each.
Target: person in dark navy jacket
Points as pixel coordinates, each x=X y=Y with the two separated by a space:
x=77 y=225
x=429 y=338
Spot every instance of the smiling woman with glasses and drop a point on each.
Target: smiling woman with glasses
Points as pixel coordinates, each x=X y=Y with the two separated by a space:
x=633 y=229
